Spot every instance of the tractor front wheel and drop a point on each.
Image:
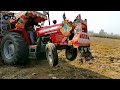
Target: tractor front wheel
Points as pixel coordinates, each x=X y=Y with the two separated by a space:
x=51 y=54
x=14 y=49
x=71 y=53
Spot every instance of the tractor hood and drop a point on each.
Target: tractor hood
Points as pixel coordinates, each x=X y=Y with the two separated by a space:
x=48 y=29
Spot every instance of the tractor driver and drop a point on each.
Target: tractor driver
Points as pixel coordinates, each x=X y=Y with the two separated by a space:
x=29 y=27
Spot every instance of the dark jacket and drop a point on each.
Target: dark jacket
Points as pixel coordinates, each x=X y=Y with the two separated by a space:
x=29 y=25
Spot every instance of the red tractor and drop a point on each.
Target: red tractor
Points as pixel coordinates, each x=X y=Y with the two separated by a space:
x=17 y=46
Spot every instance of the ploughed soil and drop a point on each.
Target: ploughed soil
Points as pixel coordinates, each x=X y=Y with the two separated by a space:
x=106 y=65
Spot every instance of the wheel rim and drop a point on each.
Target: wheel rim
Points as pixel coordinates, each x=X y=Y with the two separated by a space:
x=9 y=49
x=50 y=57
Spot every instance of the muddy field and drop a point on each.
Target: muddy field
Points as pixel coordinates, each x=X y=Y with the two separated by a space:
x=106 y=65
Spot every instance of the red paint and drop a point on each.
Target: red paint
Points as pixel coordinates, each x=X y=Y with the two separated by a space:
x=80 y=39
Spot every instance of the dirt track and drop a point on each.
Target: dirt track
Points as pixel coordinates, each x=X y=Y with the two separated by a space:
x=106 y=65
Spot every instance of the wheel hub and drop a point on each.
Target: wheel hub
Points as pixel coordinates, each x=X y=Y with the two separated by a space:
x=9 y=49
x=50 y=57
x=70 y=52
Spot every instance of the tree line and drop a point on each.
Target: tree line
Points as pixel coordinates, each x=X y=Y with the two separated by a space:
x=103 y=34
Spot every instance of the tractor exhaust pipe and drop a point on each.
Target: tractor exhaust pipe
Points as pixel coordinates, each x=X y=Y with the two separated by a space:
x=47 y=13
x=48 y=17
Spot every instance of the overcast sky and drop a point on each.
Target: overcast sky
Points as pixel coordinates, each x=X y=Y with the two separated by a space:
x=96 y=20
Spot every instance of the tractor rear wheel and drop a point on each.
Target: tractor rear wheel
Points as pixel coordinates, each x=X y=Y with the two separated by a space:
x=71 y=53
x=14 y=49
x=51 y=54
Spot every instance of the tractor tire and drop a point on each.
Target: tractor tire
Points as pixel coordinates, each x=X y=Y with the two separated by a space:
x=40 y=53
x=51 y=54
x=14 y=49
x=71 y=53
